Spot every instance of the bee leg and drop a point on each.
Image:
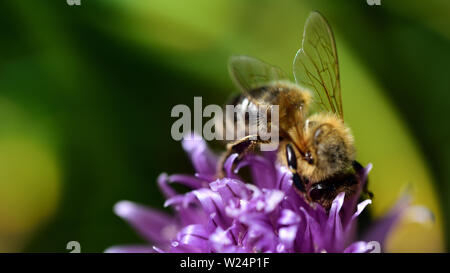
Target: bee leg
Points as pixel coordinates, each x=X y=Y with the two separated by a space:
x=241 y=147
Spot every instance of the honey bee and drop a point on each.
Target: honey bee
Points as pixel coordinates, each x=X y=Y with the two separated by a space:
x=315 y=143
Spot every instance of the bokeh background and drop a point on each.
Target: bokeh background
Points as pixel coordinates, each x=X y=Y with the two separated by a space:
x=86 y=93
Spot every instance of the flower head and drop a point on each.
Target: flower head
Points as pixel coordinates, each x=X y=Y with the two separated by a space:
x=265 y=214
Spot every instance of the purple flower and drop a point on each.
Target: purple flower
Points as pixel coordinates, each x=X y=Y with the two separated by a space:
x=266 y=215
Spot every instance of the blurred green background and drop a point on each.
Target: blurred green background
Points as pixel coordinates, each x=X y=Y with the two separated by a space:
x=86 y=93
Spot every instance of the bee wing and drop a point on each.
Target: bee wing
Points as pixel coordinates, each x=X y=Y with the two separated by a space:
x=316 y=65
x=249 y=73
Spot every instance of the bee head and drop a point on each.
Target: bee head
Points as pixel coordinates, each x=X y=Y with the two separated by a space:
x=329 y=147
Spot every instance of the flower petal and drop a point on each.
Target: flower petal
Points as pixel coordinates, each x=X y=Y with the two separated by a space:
x=223 y=240
x=230 y=189
x=350 y=204
x=359 y=209
x=193 y=237
x=288 y=217
x=130 y=249
x=228 y=166
x=163 y=184
x=310 y=235
x=203 y=159
x=153 y=225
x=287 y=235
x=334 y=227
x=272 y=199
x=212 y=204
x=420 y=214
x=188 y=210
x=381 y=229
x=263 y=171
x=187 y=180
x=357 y=247
x=261 y=236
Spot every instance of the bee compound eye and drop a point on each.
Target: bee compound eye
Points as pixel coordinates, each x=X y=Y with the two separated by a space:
x=290 y=157
x=317 y=191
x=298 y=183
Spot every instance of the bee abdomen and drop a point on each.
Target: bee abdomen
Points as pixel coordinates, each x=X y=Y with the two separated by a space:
x=246 y=112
